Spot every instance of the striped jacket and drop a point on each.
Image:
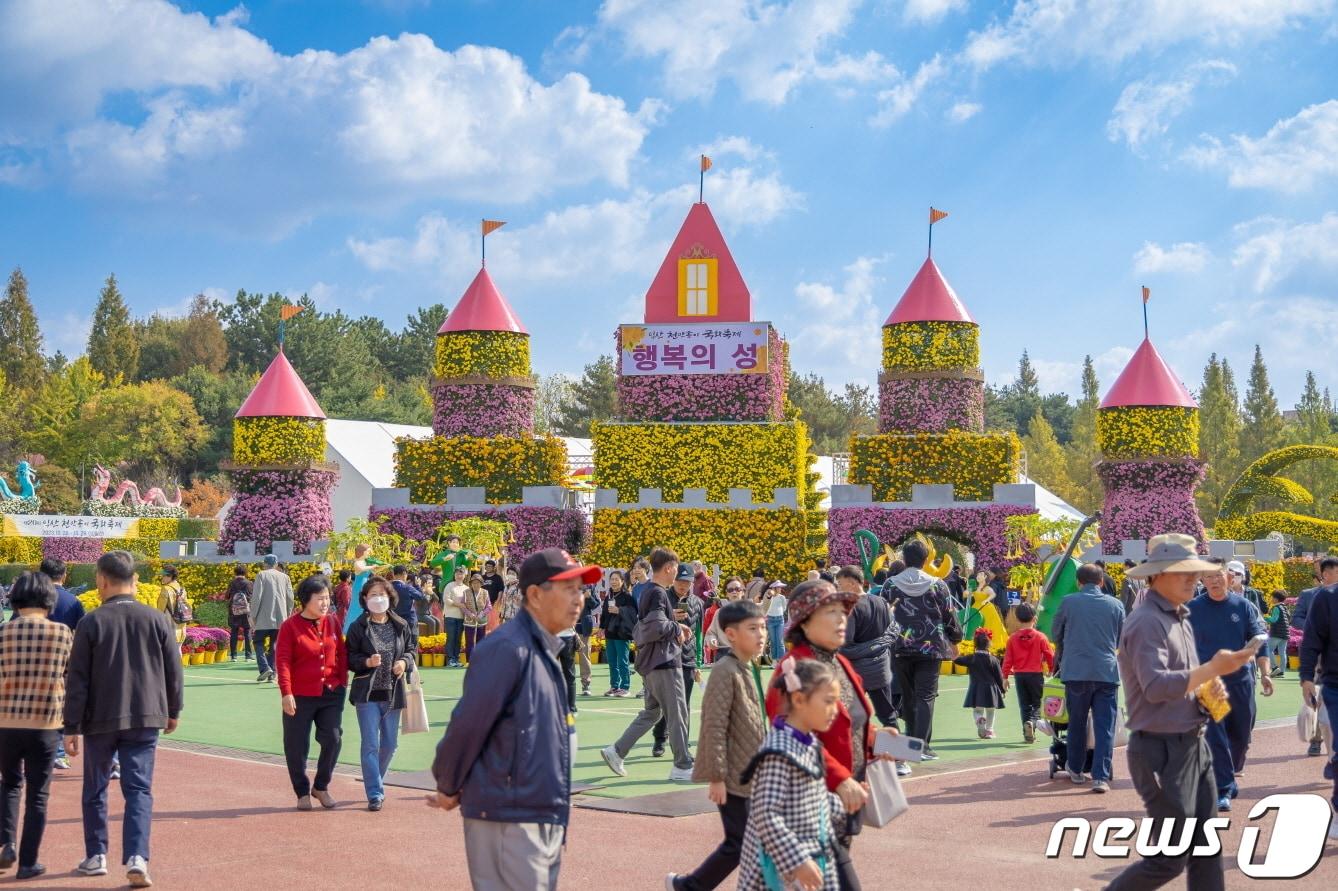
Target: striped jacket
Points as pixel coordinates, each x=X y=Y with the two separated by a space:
x=790 y=812
x=33 y=656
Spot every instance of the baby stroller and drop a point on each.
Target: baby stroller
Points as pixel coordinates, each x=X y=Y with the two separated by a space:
x=1055 y=713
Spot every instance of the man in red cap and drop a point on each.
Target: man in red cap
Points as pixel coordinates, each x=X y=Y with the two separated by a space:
x=506 y=758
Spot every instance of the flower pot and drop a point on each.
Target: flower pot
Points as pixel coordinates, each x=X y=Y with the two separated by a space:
x=1294 y=663
x=945 y=668
x=220 y=656
x=197 y=658
x=185 y=659
x=438 y=660
x=424 y=660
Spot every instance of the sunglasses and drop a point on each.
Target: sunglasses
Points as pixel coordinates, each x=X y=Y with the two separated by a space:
x=732 y=589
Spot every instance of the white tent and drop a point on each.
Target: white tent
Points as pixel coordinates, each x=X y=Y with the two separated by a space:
x=1051 y=506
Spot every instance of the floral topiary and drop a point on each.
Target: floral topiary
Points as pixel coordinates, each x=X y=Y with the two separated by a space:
x=482 y=410
x=279 y=505
x=1147 y=498
x=26 y=549
x=1139 y=431
x=502 y=465
x=495 y=354
x=271 y=440
x=982 y=529
x=930 y=405
x=73 y=550
x=532 y=528
x=738 y=540
x=931 y=346
x=972 y=462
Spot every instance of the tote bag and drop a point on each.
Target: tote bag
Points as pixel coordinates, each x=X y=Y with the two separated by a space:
x=887 y=799
x=414 y=719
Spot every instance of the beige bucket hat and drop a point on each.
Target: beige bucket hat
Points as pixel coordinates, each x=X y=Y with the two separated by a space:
x=1172 y=552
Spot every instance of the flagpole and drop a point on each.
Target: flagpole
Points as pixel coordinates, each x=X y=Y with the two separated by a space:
x=1145 y=318
x=701 y=185
x=931 y=239
x=483 y=245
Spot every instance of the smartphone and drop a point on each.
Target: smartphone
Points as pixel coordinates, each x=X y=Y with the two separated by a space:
x=901 y=747
x=1256 y=642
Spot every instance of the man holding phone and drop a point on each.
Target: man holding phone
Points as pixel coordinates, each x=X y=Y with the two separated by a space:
x=1225 y=620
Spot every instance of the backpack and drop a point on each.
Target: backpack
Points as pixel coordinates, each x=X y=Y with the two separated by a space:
x=181 y=611
x=239 y=606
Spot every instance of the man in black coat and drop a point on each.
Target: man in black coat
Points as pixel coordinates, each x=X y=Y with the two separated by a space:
x=869 y=635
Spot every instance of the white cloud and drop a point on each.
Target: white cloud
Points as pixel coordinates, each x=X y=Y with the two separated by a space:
x=767 y=48
x=1293 y=156
x=1273 y=252
x=930 y=11
x=963 y=111
x=1146 y=108
x=1182 y=257
x=1051 y=32
x=838 y=329
x=68 y=334
x=220 y=122
x=894 y=102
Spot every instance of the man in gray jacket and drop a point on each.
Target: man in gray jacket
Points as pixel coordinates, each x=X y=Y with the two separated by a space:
x=271 y=604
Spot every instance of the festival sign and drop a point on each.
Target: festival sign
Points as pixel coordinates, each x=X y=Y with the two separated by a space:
x=709 y=348
x=60 y=526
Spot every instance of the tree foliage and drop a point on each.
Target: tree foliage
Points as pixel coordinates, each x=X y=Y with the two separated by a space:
x=1261 y=430
x=592 y=397
x=149 y=425
x=113 y=346
x=1219 y=435
x=832 y=418
x=20 y=336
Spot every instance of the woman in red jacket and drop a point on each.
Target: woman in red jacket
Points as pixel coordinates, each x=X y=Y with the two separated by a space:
x=313 y=668
x=817 y=630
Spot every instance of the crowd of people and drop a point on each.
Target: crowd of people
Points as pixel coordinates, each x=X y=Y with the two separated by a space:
x=785 y=758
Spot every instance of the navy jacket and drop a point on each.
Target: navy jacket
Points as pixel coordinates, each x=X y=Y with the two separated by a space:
x=507 y=750
x=1225 y=625
x=405 y=608
x=1302 y=611
x=1320 y=643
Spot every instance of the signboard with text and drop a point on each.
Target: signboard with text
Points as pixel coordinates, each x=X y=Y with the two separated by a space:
x=707 y=348
x=60 y=526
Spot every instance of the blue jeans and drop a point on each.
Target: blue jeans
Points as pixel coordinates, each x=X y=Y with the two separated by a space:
x=1277 y=653
x=775 y=636
x=1229 y=739
x=620 y=671
x=136 y=749
x=1097 y=697
x=454 y=628
x=266 y=640
x=379 y=725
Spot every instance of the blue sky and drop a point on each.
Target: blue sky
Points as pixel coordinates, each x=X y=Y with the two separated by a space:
x=347 y=150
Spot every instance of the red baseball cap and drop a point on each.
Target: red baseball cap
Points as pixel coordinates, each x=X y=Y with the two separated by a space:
x=554 y=565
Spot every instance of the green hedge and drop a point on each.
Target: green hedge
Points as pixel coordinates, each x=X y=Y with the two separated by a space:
x=78 y=573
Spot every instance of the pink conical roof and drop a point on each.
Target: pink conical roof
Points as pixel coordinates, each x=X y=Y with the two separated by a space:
x=482 y=308
x=280 y=393
x=929 y=299
x=699 y=236
x=1147 y=380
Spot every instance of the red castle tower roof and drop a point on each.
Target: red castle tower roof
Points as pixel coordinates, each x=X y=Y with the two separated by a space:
x=929 y=299
x=699 y=237
x=280 y=393
x=1148 y=381
x=482 y=308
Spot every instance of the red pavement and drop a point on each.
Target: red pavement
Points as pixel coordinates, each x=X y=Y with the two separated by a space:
x=221 y=823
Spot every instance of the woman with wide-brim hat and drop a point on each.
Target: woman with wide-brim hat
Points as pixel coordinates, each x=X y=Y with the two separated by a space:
x=817 y=630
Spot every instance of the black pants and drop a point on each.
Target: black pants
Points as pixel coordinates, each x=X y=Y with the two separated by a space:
x=659 y=734
x=244 y=632
x=1030 y=684
x=326 y=712
x=725 y=858
x=883 y=706
x=567 y=659
x=1173 y=774
x=845 y=867
x=26 y=755
x=919 y=688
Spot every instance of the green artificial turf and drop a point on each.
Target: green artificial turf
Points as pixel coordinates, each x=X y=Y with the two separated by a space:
x=226 y=707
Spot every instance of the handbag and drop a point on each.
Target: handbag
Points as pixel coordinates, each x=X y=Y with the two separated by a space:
x=414 y=718
x=887 y=799
x=1307 y=722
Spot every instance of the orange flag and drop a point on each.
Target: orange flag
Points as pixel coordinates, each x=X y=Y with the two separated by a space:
x=936 y=215
x=288 y=311
x=706 y=163
x=1147 y=292
x=492 y=226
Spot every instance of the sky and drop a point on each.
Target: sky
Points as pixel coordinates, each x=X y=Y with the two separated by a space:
x=347 y=149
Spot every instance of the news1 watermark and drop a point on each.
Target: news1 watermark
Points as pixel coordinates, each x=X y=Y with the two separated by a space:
x=1300 y=829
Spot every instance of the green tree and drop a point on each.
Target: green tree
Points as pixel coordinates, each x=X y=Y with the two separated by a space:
x=592 y=397
x=1082 y=454
x=202 y=341
x=1219 y=435
x=51 y=416
x=149 y=425
x=415 y=345
x=60 y=492
x=1262 y=428
x=113 y=346
x=1313 y=426
x=216 y=398
x=20 y=336
x=551 y=393
x=1046 y=462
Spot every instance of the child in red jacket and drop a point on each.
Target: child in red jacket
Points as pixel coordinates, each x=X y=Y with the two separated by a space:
x=1030 y=656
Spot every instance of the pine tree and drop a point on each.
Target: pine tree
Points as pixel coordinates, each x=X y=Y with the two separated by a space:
x=1313 y=426
x=113 y=347
x=593 y=398
x=1314 y=414
x=1046 y=463
x=1262 y=428
x=21 y=357
x=1219 y=435
x=1082 y=453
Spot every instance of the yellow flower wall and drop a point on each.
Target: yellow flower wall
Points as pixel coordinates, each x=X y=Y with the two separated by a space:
x=931 y=346
x=278 y=440
x=738 y=540
x=1148 y=432
x=502 y=465
x=972 y=462
x=714 y=457
x=495 y=354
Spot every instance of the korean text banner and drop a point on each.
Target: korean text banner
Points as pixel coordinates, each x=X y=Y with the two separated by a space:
x=704 y=348
x=57 y=526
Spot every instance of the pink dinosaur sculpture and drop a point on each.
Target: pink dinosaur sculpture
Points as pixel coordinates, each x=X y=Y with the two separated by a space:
x=154 y=497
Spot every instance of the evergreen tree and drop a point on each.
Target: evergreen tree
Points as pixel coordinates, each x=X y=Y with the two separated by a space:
x=1313 y=426
x=1082 y=453
x=592 y=398
x=113 y=347
x=21 y=356
x=1262 y=428
x=1219 y=435
x=1046 y=462
x=1314 y=414
x=552 y=392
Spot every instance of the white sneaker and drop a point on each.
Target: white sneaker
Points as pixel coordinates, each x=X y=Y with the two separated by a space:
x=1100 y=786
x=93 y=866
x=137 y=872
x=1077 y=778
x=680 y=775
x=903 y=769
x=613 y=760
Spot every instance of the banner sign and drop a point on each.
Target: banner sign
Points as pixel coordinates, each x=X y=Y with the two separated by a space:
x=59 y=526
x=704 y=348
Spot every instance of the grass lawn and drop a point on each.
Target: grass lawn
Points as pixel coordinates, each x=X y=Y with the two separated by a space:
x=226 y=707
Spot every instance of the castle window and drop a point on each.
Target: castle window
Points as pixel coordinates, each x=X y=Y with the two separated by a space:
x=697 y=287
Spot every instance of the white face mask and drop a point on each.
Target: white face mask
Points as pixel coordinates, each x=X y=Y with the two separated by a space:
x=378 y=605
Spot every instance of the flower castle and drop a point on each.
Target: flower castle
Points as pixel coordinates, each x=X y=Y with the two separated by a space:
x=702 y=458
x=278 y=468
x=931 y=447
x=1147 y=429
